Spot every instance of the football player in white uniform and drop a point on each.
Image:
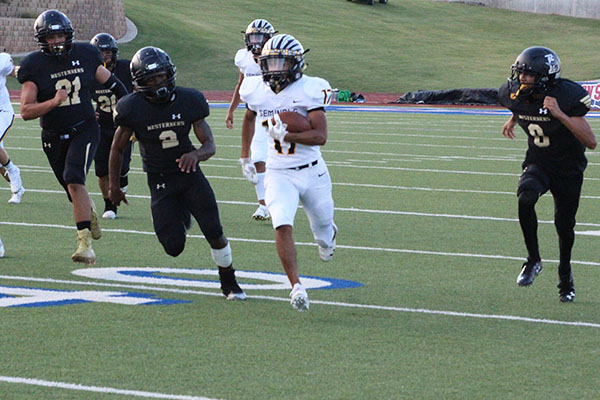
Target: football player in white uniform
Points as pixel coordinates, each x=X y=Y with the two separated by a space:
x=296 y=170
x=256 y=35
x=9 y=171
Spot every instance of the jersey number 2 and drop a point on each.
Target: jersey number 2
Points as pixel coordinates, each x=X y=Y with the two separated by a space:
x=72 y=91
x=168 y=139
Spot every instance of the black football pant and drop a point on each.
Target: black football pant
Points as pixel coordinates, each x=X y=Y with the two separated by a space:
x=173 y=197
x=103 y=152
x=70 y=151
x=566 y=191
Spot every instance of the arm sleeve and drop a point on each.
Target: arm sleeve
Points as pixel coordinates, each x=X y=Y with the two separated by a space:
x=116 y=86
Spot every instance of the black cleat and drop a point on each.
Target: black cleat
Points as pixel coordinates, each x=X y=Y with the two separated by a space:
x=529 y=272
x=229 y=286
x=566 y=291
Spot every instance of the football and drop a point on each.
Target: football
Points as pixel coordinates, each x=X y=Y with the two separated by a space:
x=295 y=122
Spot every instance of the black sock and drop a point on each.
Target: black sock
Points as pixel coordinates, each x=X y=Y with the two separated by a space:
x=109 y=206
x=83 y=225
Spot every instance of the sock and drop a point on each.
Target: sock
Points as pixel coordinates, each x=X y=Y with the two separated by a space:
x=83 y=225
x=109 y=205
x=260 y=186
x=10 y=167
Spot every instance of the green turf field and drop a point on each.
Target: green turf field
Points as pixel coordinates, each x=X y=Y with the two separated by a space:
x=427 y=215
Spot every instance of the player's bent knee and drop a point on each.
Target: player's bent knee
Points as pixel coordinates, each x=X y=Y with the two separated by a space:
x=222 y=256
x=173 y=246
x=528 y=198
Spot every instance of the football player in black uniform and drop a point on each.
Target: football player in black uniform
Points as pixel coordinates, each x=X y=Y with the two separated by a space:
x=57 y=81
x=551 y=111
x=105 y=105
x=161 y=116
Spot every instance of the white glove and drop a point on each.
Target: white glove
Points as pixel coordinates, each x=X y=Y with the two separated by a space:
x=277 y=130
x=249 y=170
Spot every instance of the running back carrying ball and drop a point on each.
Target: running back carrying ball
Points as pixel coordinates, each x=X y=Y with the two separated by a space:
x=295 y=122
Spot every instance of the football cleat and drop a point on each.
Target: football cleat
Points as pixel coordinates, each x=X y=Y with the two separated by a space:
x=529 y=272
x=109 y=214
x=299 y=298
x=16 y=196
x=566 y=291
x=229 y=286
x=84 y=253
x=96 y=230
x=261 y=214
x=326 y=253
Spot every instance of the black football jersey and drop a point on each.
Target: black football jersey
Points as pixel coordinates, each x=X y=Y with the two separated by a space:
x=105 y=100
x=550 y=143
x=162 y=129
x=75 y=73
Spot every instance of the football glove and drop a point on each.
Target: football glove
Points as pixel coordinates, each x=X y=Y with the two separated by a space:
x=277 y=130
x=249 y=170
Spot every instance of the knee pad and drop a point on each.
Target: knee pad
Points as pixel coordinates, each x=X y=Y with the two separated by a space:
x=222 y=256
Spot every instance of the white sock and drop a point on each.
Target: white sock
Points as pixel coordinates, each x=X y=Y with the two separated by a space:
x=260 y=186
x=10 y=167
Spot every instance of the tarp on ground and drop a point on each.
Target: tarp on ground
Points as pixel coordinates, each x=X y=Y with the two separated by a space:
x=479 y=96
x=464 y=96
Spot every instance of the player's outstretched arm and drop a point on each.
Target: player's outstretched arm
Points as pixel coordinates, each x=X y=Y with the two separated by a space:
x=115 y=160
x=31 y=109
x=247 y=132
x=508 y=130
x=189 y=161
x=235 y=102
x=110 y=81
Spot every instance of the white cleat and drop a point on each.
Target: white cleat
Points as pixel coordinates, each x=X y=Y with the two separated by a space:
x=16 y=196
x=326 y=253
x=299 y=297
x=261 y=214
x=109 y=214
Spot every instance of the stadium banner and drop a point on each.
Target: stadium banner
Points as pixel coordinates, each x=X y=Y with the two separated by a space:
x=593 y=88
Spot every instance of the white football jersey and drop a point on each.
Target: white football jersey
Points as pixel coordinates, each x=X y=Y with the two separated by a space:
x=307 y=93
x=6 y=67
x=245 y=62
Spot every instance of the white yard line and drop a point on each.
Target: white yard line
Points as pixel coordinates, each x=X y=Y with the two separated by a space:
x=97 y=389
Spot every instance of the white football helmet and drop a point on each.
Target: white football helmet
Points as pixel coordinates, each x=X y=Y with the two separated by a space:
x=282 y=61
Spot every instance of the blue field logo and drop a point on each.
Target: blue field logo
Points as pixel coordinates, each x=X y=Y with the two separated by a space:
x=14 y=296
x=186 y=277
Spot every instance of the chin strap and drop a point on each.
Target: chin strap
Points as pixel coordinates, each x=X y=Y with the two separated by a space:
x=513 y=96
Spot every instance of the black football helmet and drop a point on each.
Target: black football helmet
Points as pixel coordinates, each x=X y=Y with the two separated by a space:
x=49 y=23
x=149 y=62
x=282 y=61
x=105 y=42
x=257 y=34
x=539 y=61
